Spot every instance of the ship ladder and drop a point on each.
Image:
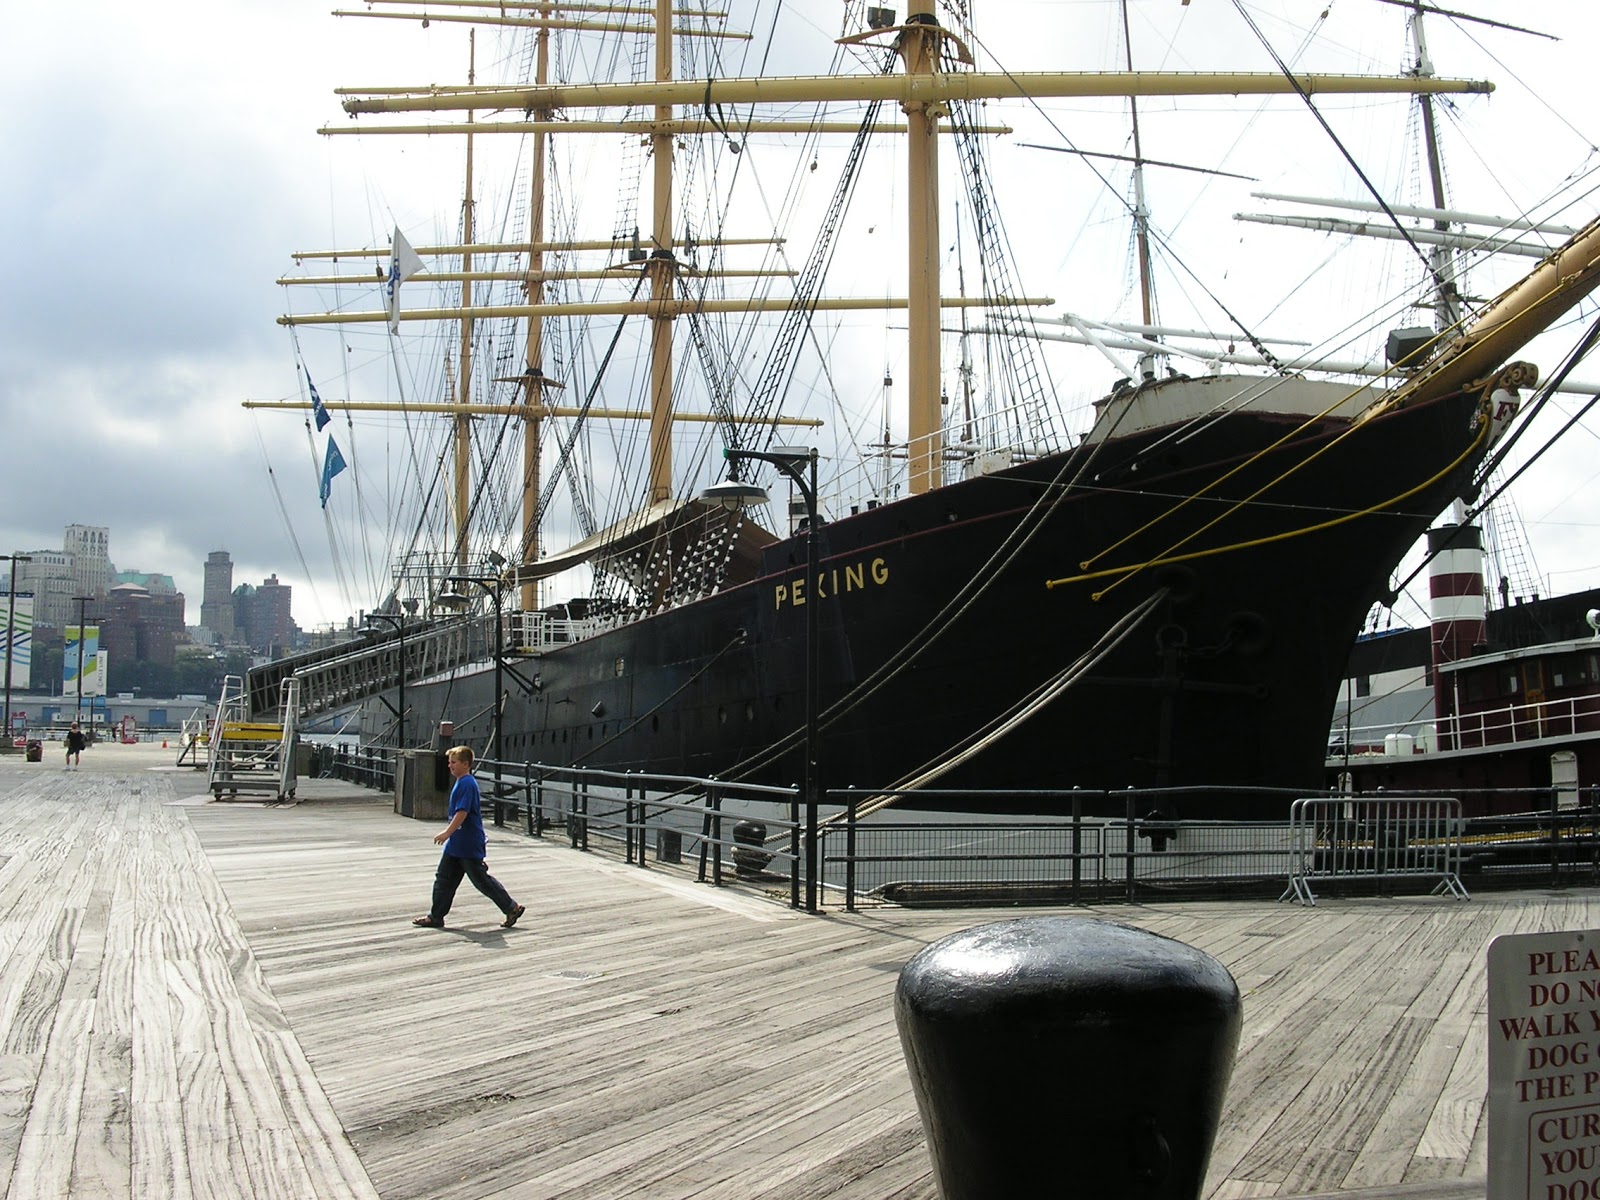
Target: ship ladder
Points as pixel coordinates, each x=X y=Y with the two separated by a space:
x=253 y=757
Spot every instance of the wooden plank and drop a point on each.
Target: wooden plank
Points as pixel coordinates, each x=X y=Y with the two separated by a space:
x=217 y=1000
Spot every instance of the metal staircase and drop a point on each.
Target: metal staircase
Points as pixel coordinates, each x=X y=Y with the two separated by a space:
x=343 y=675
x=250 y=756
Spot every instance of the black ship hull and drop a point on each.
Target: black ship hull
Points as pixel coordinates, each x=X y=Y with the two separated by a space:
x=1268 y=538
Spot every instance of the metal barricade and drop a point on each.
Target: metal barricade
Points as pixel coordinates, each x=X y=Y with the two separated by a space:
x=1374 y=837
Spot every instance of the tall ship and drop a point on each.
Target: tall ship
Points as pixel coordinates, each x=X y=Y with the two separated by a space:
x=650 y=524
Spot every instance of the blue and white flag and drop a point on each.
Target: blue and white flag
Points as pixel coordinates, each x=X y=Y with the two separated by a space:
x=404 y=262
x=332 y=464
x=319 y=412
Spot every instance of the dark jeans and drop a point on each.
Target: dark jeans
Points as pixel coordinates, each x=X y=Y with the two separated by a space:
x=448 y=878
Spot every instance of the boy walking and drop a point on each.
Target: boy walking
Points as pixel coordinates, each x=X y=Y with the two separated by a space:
x=464 y=849
x=74 y=746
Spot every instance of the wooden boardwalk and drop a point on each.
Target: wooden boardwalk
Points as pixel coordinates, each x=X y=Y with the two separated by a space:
x=202 y=999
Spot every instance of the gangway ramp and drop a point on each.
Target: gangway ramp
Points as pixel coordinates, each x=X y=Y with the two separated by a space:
x=339 y=676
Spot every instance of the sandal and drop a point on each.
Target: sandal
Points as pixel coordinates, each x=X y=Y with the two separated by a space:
x=428 y=923
x=511 y=917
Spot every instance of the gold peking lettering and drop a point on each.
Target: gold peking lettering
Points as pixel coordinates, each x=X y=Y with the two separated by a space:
x=858 y=576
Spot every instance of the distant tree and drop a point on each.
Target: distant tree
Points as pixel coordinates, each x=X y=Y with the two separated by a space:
x=147 y=678
x=45 y=674
x=197 y=674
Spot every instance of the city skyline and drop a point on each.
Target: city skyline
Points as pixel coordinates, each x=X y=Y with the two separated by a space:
x=82 y=571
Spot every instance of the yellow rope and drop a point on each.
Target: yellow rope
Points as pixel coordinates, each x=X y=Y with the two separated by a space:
x=1219 y=480
x=1167 y=557
x=1382 y=403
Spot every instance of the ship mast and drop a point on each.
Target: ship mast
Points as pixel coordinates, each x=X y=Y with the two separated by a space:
x=533 y=378
x=924 y=91
x=1141 y=210
x=463 y=422
x=1442 y=259
x=919 y=45
x=660 y=269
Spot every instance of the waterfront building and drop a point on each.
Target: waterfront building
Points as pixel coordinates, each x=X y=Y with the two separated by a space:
x=90 y=549
x=216 y=604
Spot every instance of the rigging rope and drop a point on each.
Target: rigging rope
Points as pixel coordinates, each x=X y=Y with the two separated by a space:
x=1578 y=353
x=1167 y=558
x=779 y=367
x=1438 y=281
x=1019 y=713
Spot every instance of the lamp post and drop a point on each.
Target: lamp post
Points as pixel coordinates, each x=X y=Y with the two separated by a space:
x=399 y=623
x=11 y=632
x=800 y=465
x=494 y=585
x=82 y=600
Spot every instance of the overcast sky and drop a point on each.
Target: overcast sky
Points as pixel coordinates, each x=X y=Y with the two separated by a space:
x=161 y=163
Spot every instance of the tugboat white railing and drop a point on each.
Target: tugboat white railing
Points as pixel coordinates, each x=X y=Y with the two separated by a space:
x=249 y=756
x=1509 y=725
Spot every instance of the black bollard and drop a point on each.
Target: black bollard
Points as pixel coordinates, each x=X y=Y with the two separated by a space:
x=750 y=856
x=1065 y=1057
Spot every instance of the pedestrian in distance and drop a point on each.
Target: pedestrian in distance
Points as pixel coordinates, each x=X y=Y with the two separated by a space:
x=465 y=849
x=74 y=746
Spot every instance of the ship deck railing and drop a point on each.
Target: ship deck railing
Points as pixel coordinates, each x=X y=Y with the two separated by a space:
x=726 y=834
x=540 y=632
x=995 y=441
x=1506 y=725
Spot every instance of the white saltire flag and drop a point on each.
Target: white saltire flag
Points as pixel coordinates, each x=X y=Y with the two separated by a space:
x=317 y=408
x=332 y=464
x=403 y=264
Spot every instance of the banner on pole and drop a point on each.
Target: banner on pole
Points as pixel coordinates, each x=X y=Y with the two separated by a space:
x=19 y=639
x=82 y=643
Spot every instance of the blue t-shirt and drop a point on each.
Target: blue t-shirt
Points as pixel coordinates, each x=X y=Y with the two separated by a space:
x=467 y=842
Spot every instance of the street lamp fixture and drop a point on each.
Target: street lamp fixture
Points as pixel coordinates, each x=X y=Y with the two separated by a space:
x=799 y=463
x=11 y=631
x=734 y=495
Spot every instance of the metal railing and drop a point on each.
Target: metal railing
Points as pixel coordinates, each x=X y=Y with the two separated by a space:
x=369 y=765
x=537 y=632
x=347 y=673
x=1507 y=725
x=1347 y=838
x=727 y=834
